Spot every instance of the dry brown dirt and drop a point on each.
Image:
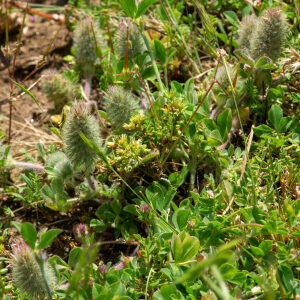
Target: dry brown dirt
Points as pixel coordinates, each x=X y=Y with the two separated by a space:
x=29 y=122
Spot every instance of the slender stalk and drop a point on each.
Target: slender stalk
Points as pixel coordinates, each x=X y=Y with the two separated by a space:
x=142 y=31
x=240 y=121
x=194 y=44
x=42 y=267
x=38 y=13
x=149 y=99
x=243 y=225
x=26 y=165
x=147 y=283
x=109 y=36
x=166 y=76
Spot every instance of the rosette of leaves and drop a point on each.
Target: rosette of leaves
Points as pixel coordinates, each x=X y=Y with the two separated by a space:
x=128 y=36
x=59 y=89
x=120 y=104
x=80 y=121
x=87 y=44
x=27 y=275
x=270 y=34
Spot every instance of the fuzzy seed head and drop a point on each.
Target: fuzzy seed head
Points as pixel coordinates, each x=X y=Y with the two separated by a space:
x=59 y=89
x=269 y=36
x=80 y=120
x=120 y=105
x=246 y=30
x=87 y=38
x=134 y=43
x=26 y=272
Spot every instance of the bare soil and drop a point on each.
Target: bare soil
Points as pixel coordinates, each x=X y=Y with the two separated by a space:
x=28 y=120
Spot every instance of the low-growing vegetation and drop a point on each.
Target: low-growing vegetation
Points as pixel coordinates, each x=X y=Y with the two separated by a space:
x=173 y=166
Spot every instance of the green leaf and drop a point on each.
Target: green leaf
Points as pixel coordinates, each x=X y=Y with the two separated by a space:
x=128 y=229
x=221 y=256
x=57 y=185
x=286 y=277
x=117 y=289
x=266 y=246
x=209 y=124
x=189 y=86
x=98 y=225
x=232 y=18
x=155 y=196
x=176 y=86
x=58 y=261
x=224 y=122
x=168 y=290
x=275 y=115
x=74 y=256
x=28 y=93
x=245 y=56
x=190 y=247
x=264 y=62
x=17 y=225
x=129 y=7
x=171 y=53
x=176 y=179
x=257 y=251
x=47 y=238
x=180 y=218
x=29 y=234
x=149 y=73
x=176 y=247
x=285 y=123
x=228 y=271
x=159 y=51
x=214 y=138
x=143 y=6
x=261 y=129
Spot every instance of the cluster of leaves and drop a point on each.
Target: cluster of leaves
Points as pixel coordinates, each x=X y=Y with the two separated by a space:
x=201 y=178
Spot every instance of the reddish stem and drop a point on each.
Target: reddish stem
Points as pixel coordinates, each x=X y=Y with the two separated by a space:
x=39 y=13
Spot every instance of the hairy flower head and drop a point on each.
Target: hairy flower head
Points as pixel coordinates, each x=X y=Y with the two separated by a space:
x=134 y=43
x=59 y=89
x=81 y=121
x=26 y=272
x=246 y=30
x=87 y=39
x=269 y=36
x=120 y=104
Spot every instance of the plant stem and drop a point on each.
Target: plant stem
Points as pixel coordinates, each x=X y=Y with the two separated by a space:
x=147 y=283
x=25 y=165
x=142 y=31
x=42 y=267
x=243 y=225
